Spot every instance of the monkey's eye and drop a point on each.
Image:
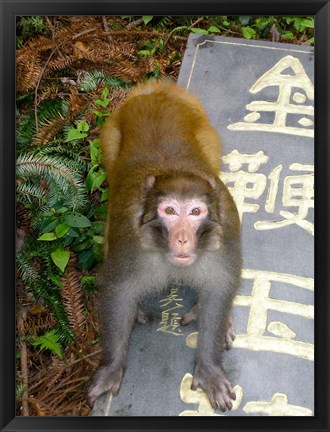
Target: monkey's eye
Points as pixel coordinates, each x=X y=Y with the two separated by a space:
x=196 y=211
x=170 y=211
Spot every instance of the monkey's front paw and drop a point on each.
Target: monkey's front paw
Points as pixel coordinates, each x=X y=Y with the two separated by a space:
x=106 y=378
x=141 y=317
x=216 y=385
x=190 y=316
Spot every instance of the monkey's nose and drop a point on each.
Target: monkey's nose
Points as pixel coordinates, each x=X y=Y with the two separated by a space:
x=183 y=237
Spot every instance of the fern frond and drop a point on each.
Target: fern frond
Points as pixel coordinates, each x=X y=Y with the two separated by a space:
x=49 y=341
x=47 y=112
x=29 y=193
x=28 y=70
x=72 y=296
x=92 y=79
x=61 y=62
x=49 y=130
x=41 y=322
x=76 y=161
x=61 y=179
x=25 y=269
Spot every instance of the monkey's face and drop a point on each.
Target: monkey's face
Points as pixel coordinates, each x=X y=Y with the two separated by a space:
x=182 y=219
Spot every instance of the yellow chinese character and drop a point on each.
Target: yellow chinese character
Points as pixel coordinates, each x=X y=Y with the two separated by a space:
x=298 y=191
x=277 y=407
x=245 y=184
x=260 y=302
x=287 y=74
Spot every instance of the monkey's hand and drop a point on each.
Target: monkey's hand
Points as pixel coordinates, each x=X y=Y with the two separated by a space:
x=106 y=378
x=141 y=317
x=214 y=382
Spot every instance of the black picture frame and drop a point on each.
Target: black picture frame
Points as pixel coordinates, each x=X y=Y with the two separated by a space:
x=9 y=9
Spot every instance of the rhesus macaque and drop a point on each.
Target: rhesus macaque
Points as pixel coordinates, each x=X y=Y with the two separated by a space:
x=170 y=219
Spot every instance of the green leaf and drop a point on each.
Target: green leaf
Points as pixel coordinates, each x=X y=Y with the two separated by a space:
x=88 y=279
x=263 y=22
x=288 y=35
x=98 y=252
x=105 y=93
x=244 y=19
x=105 y=195
x=49 y=341
x=50 y=226
x=289 y=20
x=99 y=178
x=98 y=239
x=86 y=259
x=101 y=114
x=103 y=103
x=73 y=233
x=47 y=237
x=95 y=179
x=95 y=153
x=213 y=29
x=60 y=258
x=248 y=32
x=56 y=280
x=62 y=210
x=81 y=246
x=297 y=22
x=75 y=134
x=101 y=211
x=147 y=52
x=61 y=230
x=98 y=227
x=83 y=126
x=307 y=23
x=147 y=19
x=199 y=31
x=77 y=220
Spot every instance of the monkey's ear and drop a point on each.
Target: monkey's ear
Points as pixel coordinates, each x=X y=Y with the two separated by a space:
x=210 y=179
x=150 y=181
x=212 y=182
x=148 y=205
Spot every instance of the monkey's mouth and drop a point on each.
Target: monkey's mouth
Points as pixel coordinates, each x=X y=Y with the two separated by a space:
x=183 y=260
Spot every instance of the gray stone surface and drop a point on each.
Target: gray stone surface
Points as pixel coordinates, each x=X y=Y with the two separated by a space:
x=259 y=96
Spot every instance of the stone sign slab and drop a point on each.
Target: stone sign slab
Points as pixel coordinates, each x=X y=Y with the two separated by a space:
x=260 y=97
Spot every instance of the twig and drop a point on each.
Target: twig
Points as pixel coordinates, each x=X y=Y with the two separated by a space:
x=24 y=369
x=196 y=22
x=134 y=24
x=50 y=25
x=106 y=28
x=84 y=32
x=229 y=31
x=85 y=357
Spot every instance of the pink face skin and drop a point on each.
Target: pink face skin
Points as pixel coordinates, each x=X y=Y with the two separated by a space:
x=182 y=219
